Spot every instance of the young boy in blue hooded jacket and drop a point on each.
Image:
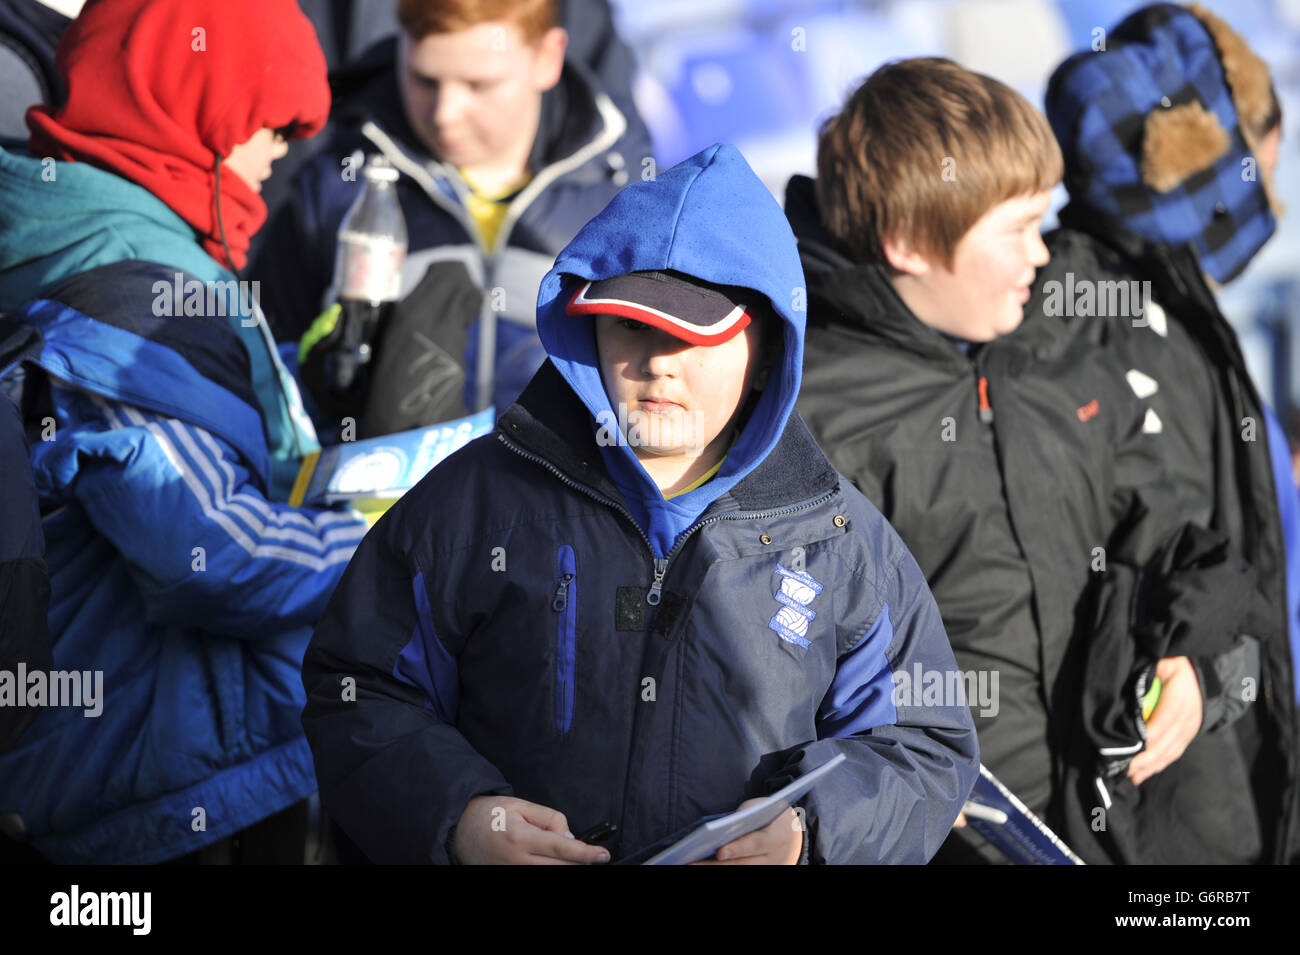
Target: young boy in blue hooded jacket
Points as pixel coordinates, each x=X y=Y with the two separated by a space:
x=647 y=597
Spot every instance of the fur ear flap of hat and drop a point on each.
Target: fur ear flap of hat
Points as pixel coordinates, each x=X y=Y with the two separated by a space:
x=1187 y=139
x=1246 y=74
x=1180 y=142
x=1141 y=126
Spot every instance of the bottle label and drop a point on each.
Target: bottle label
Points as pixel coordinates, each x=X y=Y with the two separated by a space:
x=370 y=269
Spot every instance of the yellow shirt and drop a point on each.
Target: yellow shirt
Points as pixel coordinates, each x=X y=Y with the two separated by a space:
x=694 y=484
x=488 y=210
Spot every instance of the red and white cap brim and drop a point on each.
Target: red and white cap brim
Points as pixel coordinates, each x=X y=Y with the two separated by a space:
x=664 y=305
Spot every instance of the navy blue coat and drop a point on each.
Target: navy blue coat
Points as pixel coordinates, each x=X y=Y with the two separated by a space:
x=499 y=630
x=482 y=666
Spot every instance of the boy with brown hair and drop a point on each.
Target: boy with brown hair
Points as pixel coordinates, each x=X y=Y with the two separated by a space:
x=922 y=154
x=1006 y=455
x=504 y=148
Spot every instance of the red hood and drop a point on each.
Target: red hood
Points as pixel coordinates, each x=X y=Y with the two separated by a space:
x=158 y=88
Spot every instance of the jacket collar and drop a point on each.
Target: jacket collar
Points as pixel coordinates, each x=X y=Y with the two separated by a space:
x=1174 y=268
x=1175 y=273
x=551 y=422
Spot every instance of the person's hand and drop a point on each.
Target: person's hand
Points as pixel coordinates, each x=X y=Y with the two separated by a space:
x=778 y=843
x=961 y=821
x=1175 y=722
x=503 y=830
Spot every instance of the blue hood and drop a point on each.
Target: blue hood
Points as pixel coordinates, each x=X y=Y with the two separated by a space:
x=709 y=217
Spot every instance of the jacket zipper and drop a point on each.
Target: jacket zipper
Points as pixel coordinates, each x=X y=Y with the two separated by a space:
x=608 y=502
x=561 y=601
x=661 y=564
x=654 y=594
x=982 y=388
x=613 y=126
x=566 y=632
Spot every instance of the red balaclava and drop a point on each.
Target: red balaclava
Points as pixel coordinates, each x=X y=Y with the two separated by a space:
x=157 y=89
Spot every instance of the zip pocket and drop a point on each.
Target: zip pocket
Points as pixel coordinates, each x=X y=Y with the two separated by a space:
x=565 y=605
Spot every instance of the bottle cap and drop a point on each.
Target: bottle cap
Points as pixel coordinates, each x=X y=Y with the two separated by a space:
x=379 y=168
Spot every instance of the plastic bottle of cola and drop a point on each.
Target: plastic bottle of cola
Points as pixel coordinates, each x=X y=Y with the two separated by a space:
x=368 y=270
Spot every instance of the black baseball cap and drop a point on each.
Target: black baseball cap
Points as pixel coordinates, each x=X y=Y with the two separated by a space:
x=691 y=309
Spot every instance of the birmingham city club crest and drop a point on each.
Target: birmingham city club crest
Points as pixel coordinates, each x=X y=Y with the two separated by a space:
x=797 y=591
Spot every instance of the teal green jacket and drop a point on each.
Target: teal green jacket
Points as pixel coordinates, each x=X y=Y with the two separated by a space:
x=58 y=219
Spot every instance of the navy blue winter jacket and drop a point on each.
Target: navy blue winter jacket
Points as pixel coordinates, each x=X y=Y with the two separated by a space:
x=498 y=631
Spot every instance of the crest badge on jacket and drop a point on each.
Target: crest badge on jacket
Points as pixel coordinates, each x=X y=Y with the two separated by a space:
x=797 y=589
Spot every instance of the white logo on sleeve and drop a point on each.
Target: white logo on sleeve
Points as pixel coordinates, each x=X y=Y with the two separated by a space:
x=797 y=590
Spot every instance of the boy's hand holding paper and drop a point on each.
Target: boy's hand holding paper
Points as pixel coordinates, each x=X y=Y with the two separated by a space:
x=777 y=843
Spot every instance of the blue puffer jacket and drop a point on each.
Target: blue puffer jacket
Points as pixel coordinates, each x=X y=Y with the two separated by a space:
x=584 y=151
x=563 y=634
x=173 y=574
x=60 y=219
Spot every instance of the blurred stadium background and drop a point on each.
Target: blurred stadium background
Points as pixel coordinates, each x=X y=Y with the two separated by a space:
x=762 y=74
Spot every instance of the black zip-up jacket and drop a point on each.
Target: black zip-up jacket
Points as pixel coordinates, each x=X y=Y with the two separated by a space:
x=1214 y=445
x=1024 y=480
x=1053 y=543
x=1005 y=471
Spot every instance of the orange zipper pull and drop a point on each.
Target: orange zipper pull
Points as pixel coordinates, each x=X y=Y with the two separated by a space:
x=986 y=409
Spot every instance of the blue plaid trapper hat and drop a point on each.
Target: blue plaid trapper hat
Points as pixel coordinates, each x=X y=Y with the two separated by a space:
x=1153 y=137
